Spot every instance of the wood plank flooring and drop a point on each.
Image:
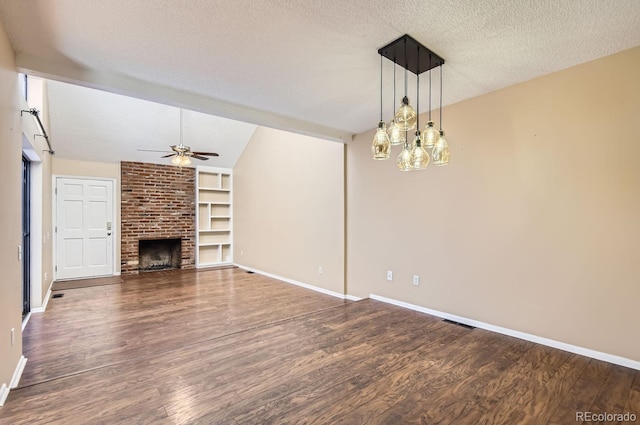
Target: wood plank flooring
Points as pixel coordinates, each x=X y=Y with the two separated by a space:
x=227 y=347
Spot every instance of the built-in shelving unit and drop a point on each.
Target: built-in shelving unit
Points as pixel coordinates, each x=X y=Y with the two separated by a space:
x=213 y=215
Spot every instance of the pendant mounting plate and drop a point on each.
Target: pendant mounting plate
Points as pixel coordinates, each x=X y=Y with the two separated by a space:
x=407 y=52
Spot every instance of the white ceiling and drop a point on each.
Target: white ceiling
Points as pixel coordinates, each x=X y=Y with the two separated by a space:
x=94 y=125
x=302 y=65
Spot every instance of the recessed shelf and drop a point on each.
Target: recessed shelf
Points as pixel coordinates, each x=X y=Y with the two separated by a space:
x=215 y=263
x=214 y=201
x=213 y=189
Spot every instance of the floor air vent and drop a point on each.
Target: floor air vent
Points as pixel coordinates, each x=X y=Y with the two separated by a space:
x=57 y=296
x=453 y=322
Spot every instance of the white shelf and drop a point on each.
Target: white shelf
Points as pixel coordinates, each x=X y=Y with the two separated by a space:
x=223 y=263
x=213 y=189
x=214 y=199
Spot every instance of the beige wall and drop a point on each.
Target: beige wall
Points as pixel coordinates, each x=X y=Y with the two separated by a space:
x=288 y=205
x=40 y=208
x=10 y=215
x=47 y=199
x=104 y=170
x=535 y=224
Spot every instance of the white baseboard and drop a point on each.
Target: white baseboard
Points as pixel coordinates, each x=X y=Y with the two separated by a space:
x=611 y=358
x=295 y=282
x=4 y=393
x=4 y=390
x=15 y=380
x=26 y=320
x=46 y=301
x=352 y=298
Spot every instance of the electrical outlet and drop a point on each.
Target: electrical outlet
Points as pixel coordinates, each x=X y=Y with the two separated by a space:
x=320 y=270
x=416 y=280
x=19 y=252
x=45 y=276
x=13 y=332
x=241 y=253
x=389 y=275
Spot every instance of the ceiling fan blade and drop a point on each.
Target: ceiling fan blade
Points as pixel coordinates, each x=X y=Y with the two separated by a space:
x=151 y=150
x=206 y=153
x=167 y=156
x=203 y=158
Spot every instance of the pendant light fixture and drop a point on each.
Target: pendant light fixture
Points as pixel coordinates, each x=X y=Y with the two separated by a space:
x=396 y=135
x=406 y=116
x=440 y=151
x=430 y=132
x=419 y=156
x=404 y=161
x=381 y=146
x=414 y=57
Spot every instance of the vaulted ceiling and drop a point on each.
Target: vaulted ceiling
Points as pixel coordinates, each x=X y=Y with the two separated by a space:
x=306 y=66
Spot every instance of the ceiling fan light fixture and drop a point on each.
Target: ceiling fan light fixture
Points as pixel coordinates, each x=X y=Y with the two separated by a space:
x=181 y=160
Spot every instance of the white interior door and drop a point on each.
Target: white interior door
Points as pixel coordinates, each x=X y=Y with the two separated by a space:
x=84 y=223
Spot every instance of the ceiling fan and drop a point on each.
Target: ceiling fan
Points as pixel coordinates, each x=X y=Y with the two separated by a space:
x=182 y=154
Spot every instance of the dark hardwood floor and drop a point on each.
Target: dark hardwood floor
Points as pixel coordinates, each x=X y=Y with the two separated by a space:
x=228 y=347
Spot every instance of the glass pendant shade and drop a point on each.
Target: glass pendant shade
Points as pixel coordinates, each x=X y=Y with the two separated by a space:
x=430 y=135
x=440 y=151
x=419 y=156
x=404 y=159
x=406 y=117
x=381 y=146
x=396 y=136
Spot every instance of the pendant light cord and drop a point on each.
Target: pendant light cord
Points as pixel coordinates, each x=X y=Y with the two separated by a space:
x=429 y=88
x=440 y=97
x=393 y=103
x=380 y=87
x=418 y=94
x=405 y=67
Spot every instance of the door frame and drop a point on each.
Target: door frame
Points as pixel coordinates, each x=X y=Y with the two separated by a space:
x=54 y=216
x=26 y=236
x=38 y=238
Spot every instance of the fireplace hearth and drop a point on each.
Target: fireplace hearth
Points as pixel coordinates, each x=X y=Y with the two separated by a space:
x=159 y=254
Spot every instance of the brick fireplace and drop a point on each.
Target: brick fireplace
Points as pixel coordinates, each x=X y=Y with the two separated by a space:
x=158 y=204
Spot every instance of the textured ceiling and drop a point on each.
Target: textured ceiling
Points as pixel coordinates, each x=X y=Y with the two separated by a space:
x=309 y=66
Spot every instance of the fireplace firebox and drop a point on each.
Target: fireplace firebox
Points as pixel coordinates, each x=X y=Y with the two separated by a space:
x=159 y=254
